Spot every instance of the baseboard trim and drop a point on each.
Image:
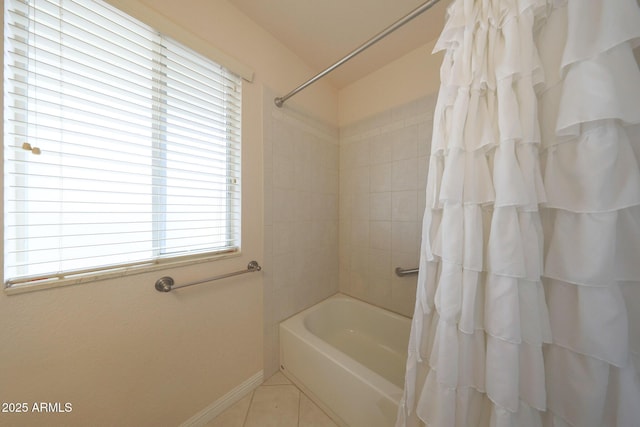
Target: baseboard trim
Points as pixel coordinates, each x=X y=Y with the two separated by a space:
x=216 y=408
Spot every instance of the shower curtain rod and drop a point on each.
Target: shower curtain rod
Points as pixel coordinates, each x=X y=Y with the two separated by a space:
x=279 y=101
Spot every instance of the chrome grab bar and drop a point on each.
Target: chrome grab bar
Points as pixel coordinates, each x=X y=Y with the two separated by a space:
x=165 y=284
x=401 y=272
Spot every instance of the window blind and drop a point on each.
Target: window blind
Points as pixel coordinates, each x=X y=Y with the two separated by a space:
x=122 y=147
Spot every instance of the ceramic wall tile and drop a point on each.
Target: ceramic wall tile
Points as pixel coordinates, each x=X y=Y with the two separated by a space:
x=404 y=206
x=380 y=235
x=380 y=177
x=397 y=144
x=380 y=206
x=301 y=203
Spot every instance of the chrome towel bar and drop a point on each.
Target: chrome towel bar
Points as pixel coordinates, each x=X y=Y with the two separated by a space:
x=406 y=271
x=165 y=284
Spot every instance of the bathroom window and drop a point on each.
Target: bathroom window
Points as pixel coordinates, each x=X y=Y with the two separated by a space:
x=121 y=146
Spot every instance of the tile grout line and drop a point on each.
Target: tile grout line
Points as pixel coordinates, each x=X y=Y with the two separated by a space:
x=299 y=405
x=246 y=415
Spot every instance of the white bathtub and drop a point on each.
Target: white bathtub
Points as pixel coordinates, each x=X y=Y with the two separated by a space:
x=349 y=357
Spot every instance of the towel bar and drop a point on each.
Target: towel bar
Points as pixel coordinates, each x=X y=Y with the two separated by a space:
x=165 y=284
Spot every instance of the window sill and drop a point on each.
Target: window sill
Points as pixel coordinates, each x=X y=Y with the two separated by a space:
x=115 y=272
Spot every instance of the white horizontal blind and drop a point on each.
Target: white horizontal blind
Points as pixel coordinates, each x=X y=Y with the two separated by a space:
x=121 y=146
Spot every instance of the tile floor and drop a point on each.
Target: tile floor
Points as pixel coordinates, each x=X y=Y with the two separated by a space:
x=276 y=403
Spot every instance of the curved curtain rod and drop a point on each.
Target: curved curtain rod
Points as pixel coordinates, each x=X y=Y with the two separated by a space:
x=279 y=101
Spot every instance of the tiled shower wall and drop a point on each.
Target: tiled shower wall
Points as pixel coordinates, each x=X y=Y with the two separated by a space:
x=301 y=218
x=383 y=172
x=342 y=209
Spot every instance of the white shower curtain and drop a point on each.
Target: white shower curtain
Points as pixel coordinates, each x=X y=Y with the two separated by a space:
x=528 y=304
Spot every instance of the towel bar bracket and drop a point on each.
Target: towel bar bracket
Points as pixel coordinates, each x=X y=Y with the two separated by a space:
x=164 y=284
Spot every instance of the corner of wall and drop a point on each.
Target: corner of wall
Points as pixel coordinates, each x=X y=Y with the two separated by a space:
x=413 y=76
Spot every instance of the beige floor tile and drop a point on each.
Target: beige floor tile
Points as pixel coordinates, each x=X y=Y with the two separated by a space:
x=233 y=416
x=274 y=406
x=277 y=379
x=311 y=415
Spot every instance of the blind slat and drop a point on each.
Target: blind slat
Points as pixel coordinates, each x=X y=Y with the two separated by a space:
x=138 y=137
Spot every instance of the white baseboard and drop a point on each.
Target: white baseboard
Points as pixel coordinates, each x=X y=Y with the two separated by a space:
x=216 y=408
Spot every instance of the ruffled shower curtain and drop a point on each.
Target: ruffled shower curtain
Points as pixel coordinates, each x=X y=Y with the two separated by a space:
x=528 y=304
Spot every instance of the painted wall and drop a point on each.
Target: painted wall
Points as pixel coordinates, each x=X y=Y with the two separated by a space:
x=411 y=77
x=120 y=352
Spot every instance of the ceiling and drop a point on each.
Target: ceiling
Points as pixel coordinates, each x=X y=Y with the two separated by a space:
x=321 y=32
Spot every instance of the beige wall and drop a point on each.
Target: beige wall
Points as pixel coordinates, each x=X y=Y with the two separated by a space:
x=124 y=354
x=411 y=77
x=119 y=351
x=276 y=67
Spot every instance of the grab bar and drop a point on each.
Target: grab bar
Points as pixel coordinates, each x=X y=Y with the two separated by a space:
x=401 y=272
x=165 y=284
